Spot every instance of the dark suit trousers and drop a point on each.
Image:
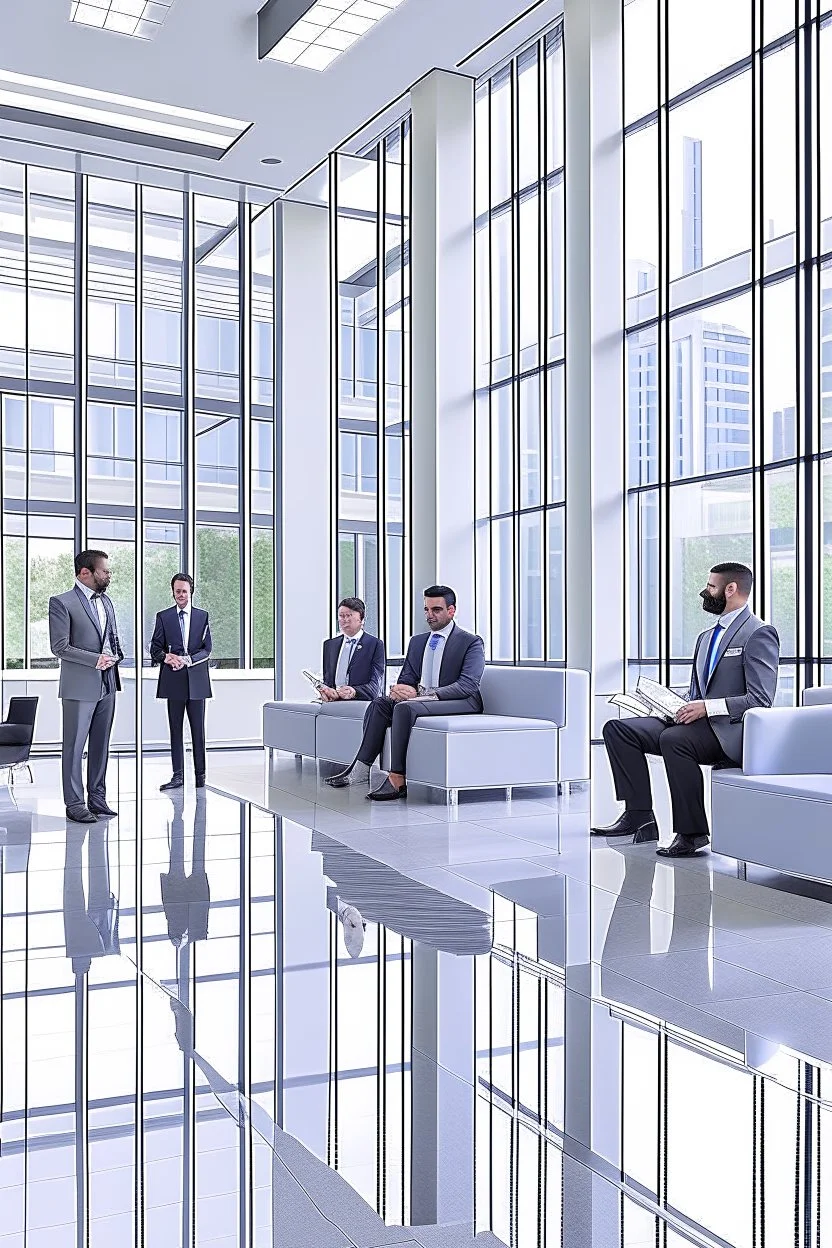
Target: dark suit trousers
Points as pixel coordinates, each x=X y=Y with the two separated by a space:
x=684 y=748
x=196 y=718
x=384 y=713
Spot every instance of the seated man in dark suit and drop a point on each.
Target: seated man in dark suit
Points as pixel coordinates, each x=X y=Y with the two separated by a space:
x=734 y=668
x=353 y=662
x=441 y=676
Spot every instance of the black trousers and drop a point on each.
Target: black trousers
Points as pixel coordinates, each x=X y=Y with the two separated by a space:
x=196 y=718
x=684 y=747
x=384 y=713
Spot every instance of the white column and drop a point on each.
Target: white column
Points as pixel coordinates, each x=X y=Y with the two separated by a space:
x=442 y=321
x=304 y=520
x=595 y=438
x=578 y=581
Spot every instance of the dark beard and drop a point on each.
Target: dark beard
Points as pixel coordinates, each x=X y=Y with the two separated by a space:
x=714 y=604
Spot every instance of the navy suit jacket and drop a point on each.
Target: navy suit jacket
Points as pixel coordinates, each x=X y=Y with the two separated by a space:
x=189 y=683
x=463 y=663
x=366 y=670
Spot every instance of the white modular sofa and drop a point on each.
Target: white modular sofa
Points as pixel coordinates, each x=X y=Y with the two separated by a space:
x=777 y=811
x=534 y=731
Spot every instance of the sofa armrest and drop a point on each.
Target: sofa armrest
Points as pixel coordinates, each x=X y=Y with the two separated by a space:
x=573 y=737
x=787 y=741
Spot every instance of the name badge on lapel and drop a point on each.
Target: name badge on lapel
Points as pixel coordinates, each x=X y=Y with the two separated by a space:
x=732 y=654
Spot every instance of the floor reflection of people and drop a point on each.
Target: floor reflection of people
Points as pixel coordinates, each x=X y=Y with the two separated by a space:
x=90 y=922
x=351 y=920
x=186 y=898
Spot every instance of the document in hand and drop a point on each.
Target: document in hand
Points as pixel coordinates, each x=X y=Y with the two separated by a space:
x=650 y=698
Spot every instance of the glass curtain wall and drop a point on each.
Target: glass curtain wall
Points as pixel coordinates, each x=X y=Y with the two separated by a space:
x=728 y=314
x=370 y=198
x=137 y=396
x=520 y=352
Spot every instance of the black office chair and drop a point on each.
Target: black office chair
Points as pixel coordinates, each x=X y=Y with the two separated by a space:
x=16 y=735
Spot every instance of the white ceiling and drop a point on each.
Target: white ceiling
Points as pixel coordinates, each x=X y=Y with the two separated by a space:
x=205 y=57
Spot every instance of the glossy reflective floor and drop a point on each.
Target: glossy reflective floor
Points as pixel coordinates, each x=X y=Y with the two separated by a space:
x=275 y=1014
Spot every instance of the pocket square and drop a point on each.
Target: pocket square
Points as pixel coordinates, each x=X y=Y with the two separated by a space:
x=732 y=654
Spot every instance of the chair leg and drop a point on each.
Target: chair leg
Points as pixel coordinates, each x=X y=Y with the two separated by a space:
x=31 y=777
x=742 y=870
x=453 y=801
x=508 y=794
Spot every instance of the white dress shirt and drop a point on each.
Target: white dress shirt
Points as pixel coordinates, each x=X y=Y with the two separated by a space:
x=718 y=706
x=98 y=607
x=432 y=659
x=344 y=655
x=184 y=625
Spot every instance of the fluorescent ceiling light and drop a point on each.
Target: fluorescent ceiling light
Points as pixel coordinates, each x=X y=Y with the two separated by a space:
x=39 y=101
x=313 y=35
x=140 y=18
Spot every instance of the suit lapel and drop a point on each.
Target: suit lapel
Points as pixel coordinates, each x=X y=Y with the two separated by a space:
x=450 y=641
x=728 y=635
x=90 y=610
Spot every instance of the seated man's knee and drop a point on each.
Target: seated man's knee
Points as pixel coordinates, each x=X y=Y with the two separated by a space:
x=611 y=730
x=405 y=710
x=675 y=740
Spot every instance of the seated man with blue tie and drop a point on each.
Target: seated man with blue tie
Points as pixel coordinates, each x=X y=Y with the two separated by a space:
x=441 y=676
x=734 y=668
x=353 y=662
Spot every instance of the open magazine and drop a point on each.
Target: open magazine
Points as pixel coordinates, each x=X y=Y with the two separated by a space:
x=650 y=698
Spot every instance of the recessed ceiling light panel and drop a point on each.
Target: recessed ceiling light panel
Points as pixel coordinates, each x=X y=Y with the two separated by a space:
x=139 y=18
x=39 y=101
x=313 y=35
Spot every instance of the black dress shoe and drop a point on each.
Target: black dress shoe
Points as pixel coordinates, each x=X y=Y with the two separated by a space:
x=200 y=782
x=103 y=811
x=81 y=815
x=647 y=832
x=387 y=792
x=176 y=781
x=630 y=824
x=356 y=773
x=683 y=846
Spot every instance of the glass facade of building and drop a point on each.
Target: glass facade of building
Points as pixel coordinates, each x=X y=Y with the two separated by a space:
x=138 y=406
x=520 y=497
x=728 y=316
x=370 y=214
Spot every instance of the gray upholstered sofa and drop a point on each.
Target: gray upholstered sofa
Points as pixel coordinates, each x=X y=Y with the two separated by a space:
x=534 y=731
x=777 y=811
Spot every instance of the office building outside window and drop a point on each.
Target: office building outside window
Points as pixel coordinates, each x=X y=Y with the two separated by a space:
x=520 y=502
x=728 y=315
x=137 y=400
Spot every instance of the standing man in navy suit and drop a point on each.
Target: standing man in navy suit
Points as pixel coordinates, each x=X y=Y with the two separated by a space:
x=441 y=676
x=181 y=643
x=354 y=662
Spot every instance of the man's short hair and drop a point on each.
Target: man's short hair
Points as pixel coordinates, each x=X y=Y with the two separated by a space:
x=442 y=591
x=182 y=576
x=89 y=559
x=354 y=604
x=737 y=572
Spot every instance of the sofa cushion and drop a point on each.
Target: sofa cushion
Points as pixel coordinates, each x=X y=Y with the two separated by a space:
x=525 y=691
x=481 y=723
x=812 y=787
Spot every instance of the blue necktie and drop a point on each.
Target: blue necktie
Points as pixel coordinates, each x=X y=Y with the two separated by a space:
x=712 y=652
x=433 y=643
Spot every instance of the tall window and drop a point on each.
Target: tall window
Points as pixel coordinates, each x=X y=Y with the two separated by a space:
x=371 y=198
x=137 y=405
x=521 y=489
x=728 y=314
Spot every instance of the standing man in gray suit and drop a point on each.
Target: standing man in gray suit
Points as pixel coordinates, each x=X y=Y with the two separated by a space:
x=84 y=636
x=734 y=668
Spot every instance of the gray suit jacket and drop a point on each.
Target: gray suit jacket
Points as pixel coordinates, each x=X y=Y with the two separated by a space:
x=745 y=675
x=75 y=639
x=460 y=673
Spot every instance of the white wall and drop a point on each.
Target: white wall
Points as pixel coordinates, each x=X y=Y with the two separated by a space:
x=233 y=715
